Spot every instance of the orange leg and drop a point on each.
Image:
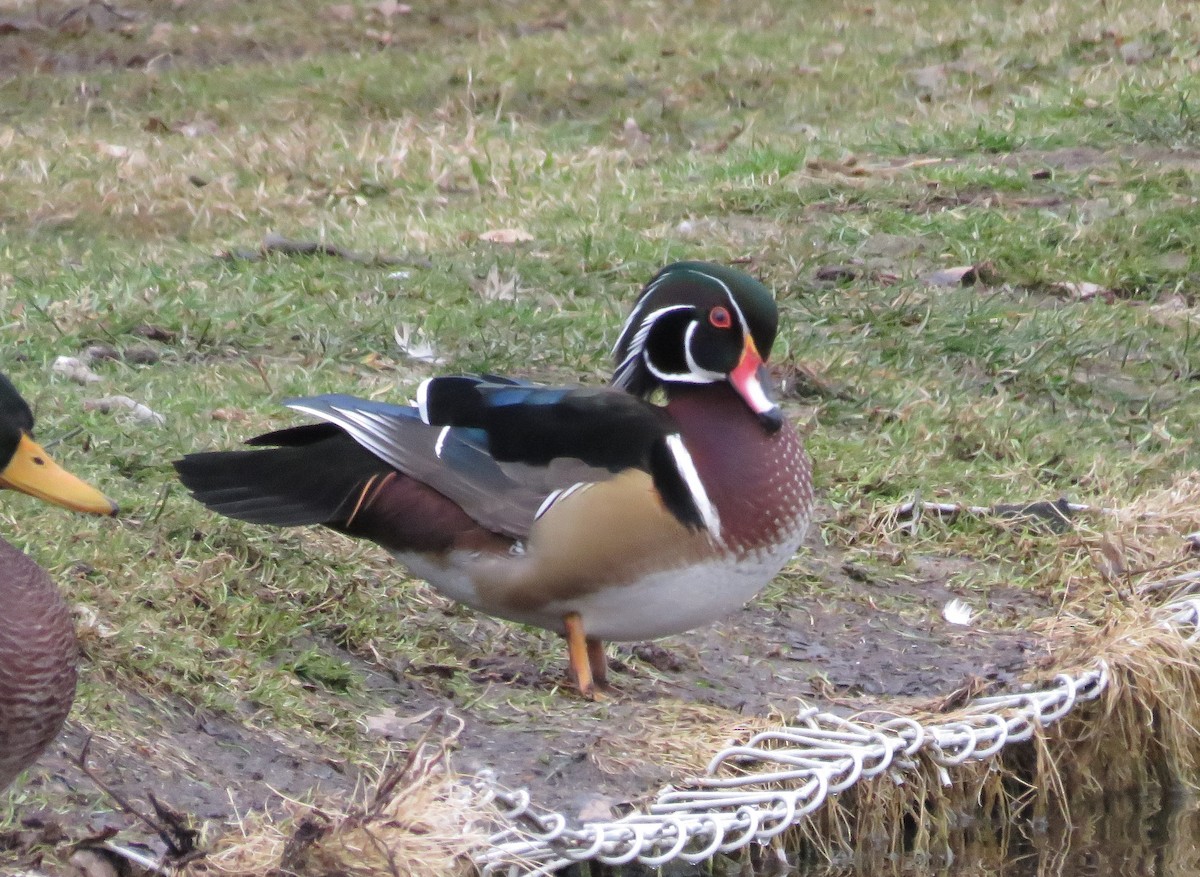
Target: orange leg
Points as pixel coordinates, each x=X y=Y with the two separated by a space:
x=598 y=661
x=579 y=653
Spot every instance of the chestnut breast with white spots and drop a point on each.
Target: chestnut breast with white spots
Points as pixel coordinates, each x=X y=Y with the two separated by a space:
x=759 y=482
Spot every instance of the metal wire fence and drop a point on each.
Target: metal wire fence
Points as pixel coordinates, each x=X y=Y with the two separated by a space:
x=752 y=792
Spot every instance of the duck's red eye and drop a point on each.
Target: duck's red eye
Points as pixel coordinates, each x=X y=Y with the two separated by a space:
x=720 y=318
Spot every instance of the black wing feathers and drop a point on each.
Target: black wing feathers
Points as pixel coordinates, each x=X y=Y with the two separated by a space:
x=531 y=424
x=510 y=445
x=605 y=428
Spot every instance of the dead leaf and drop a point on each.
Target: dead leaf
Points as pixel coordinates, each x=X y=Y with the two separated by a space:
x=720 y=146
x=1109 y=558
x=496 y=289
x=930 y=80
x=141 y=354
x=100 y=352
x=197 y=128
x=75 y=369
x=412 y=343
x=962 y=275
x=1082 y=290
x=390 y=8
x=140 y=412
x=13 y=24
x=97 y=17
x=838 y=273
x=506 y=236
x=160 y=34
x=598 y=808
x=228 y=415
x=89 y=619
x=393 y=726
x=633 y=136
x=153 y=333
x=1137 y=52
x=1171 y=310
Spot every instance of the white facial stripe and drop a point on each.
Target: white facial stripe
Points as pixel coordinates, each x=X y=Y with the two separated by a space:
x=677 y=377
x=699 y=372
x=638 y=346
x=728 y=294
x=643 y=332
x=687 y=468
x=632 y=319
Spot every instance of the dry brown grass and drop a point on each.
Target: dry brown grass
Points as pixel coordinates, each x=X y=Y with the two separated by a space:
x=419 y=819
x=1142 y=735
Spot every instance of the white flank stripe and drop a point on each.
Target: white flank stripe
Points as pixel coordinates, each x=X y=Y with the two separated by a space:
x=555 y=496
x=546 y=503
x=687 y=468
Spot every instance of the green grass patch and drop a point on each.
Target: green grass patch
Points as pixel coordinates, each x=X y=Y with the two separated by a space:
x=1047 y=144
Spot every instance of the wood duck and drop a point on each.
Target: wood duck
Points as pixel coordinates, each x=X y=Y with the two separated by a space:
x=38 y=652
x=589 y=511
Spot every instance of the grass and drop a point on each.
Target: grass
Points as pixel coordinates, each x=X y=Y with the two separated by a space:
x=1047 y=143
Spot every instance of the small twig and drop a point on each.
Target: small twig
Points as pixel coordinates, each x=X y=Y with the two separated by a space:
x=180 y=839
x=387 y=785
x=140 y=859
x=262 y=373
x=1055 y=515
x=65 y=437
x=162 y=502
x=276 y=243
x=85 y=10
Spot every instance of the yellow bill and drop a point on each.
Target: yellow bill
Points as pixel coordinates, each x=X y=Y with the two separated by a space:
x=32 y=471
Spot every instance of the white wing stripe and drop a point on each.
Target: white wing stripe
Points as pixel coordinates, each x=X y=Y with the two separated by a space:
x=441 y=440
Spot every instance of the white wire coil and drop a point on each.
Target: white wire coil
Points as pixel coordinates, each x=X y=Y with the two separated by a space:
x=804 y=763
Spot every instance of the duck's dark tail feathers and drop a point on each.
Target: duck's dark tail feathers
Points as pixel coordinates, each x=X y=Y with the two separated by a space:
x=313 y=474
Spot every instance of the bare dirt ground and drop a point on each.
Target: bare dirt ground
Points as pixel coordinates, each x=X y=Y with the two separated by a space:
x=879 y=641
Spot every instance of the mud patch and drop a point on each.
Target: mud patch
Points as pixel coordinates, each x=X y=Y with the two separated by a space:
x=868 y=641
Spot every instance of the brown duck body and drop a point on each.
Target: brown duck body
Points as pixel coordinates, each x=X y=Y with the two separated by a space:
x=38 y=651
x=38 y=655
